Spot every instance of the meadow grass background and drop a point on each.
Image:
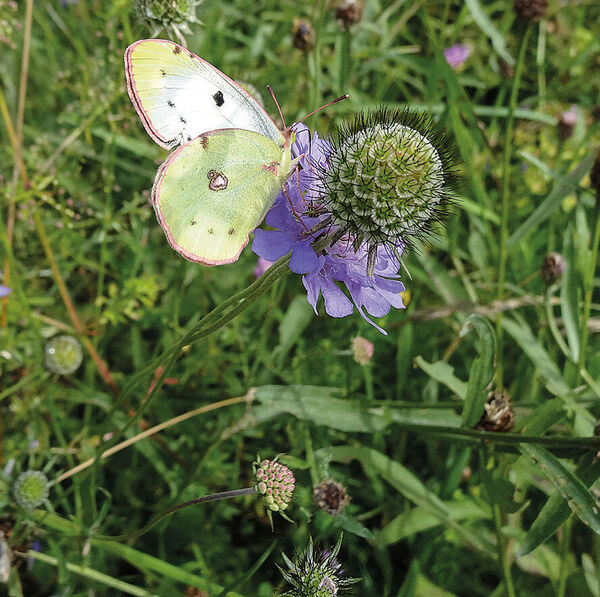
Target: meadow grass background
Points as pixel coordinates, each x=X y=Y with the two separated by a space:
x=437 y=508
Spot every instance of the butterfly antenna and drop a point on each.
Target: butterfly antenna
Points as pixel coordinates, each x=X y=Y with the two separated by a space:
x=335 y=101
x=277 y=104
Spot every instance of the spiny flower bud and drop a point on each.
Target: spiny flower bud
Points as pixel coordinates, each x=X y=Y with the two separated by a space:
x=276 y=483
x=30 y=489
x=553 y=267
x=362 y=350
x=532 y=10
x=63 y=355
x=331 y=497
x=304 y=35
x=498 y=413
x=388 y=178
x=174 y=16
x=316 y=573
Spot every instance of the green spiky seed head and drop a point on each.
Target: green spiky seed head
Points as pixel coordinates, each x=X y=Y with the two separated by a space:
x=388 y=177
x=63 y=355
x=276 y=483
x=170 y=15
x=316 y=573
x=30 y=489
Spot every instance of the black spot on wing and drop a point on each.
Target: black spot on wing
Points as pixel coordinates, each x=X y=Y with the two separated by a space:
x=170 y=104
x=182 y=120
x=219 y=99
x=211 y=231
x=231 y=231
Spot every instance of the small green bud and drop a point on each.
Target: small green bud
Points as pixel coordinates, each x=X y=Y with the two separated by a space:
x=63 y=355
x=30 y=489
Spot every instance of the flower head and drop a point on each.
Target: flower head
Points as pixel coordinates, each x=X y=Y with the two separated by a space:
x=457 y=55
x=331 y=497
x=316 y=572
x=4 y=291
x=300 y=220
x=63 y=354
x=362 y=350
x=174 y=16
x=30 y=489
x=553 y=267
x=275 y=482
x=498 y=414
x=387 y=179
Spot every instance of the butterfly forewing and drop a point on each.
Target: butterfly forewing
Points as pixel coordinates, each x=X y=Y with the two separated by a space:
x=214 y=190
x=179 y=96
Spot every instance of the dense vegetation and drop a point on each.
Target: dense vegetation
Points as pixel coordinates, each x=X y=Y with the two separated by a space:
x=443 y=499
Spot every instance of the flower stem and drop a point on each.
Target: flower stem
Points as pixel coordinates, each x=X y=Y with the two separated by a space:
x=502 y=555
x=213 y=497
x=564 y=554
x=588 y=287
x=506 y=190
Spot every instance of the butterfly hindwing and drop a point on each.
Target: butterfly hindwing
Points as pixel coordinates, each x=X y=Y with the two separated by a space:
x=213 y=191
x=179 y=96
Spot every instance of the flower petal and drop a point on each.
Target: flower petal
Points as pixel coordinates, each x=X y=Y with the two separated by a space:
x=271 y=244
x=337 y=304
x=304 y=259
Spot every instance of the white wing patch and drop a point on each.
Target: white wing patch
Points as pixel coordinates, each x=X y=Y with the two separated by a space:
x=179 y=96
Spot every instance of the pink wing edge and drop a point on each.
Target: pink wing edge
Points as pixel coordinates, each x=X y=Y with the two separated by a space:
x=159 y=216
x=137 y=104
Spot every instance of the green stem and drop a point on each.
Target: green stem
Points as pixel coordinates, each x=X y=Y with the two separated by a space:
x=501 y=545
x=213 y=497
x=588 y=287
x=505 y=190
x=91 y=574
x=564 y=554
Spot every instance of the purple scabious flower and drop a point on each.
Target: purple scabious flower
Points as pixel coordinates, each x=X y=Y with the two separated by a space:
x=457 y=55
x=296 y=228
x=4 y=291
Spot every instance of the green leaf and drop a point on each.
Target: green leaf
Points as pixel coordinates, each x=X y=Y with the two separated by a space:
x=444 y=373
x=317 y=404
x=530 y=345
x=552 y=202
x=351 y=525
x=568 y=296
x=398 y=476
x=292 y=325
x=419 y=519
x=569 y=486
x=556 y=510
x=481 y=372
x=486 y=25
x=543 y=417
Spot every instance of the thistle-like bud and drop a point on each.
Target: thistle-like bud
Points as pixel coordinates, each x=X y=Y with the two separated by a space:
x=173 y=16
x=553 y=267
x=388 y=178
x=498 y=414
x=304 y=35
x=331 y=497
x=30 y=490
x=362 y=350
x=316 y=572
x=349 y=12
x=567 y=122
x=63 y=355
x=531 y=10
x=275 y=482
